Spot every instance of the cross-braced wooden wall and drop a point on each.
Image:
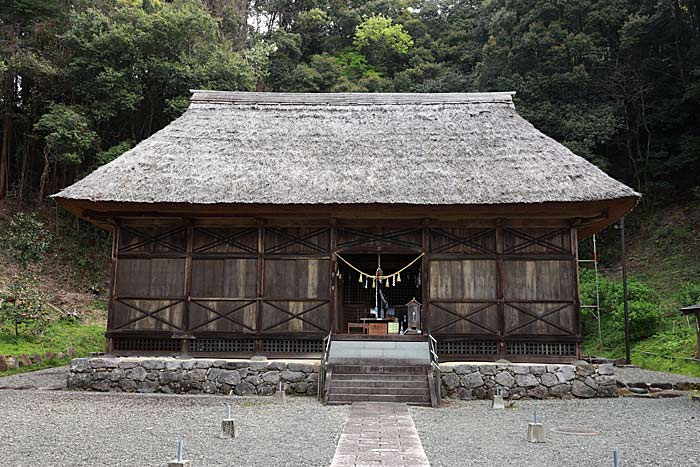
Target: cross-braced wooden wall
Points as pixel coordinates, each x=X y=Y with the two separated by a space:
x=497 y=290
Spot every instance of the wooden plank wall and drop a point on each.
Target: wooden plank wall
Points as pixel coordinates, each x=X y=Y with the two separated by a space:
x=505 y=292
x=484 y=287
x=180 y=279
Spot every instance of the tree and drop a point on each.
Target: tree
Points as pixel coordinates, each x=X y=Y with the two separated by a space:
x=69 y=140
x=383 y=43
x=617 y=81
x=22 y=306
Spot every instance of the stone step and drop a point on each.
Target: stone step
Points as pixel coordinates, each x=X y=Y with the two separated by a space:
x=375 y=369
x=364 y=390
x=349 y=398
x=378 y=377
x=376 y=383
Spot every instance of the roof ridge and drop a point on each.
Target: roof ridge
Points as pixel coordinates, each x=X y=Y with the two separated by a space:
x=349 y=98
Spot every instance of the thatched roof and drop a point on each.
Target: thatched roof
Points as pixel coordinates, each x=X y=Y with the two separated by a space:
x=418 y=149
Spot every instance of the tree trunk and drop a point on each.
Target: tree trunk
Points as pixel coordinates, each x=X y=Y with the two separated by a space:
x=44 y=176
x=5 y=152
x=23 y=172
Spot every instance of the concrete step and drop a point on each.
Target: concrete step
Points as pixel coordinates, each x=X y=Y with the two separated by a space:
x=376 y=369
x=412 y=353
x=378 y=377
x=363 y=390
x=376 y=383
x=349 y=398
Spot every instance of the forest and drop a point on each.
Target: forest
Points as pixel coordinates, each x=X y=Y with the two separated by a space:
x=616 y=81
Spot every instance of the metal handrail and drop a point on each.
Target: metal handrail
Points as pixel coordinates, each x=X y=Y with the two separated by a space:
x=324 y=362
x=433 y=349
x=435 y=364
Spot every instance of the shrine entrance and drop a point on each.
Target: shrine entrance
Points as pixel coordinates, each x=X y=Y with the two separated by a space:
x=380 y=295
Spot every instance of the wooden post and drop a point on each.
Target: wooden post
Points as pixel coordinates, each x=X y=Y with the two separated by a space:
x=260 y=284
x=425 y=270
x=112 y=284
x=333 y=297
x=697 y=334
x=184 y=343
x=500 y=286
x=577 y=302
x=694 y=310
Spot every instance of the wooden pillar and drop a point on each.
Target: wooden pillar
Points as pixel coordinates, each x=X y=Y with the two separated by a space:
x=500 y=288
x=185 y=342
x=260 y=285
x=112 y=283
x=575 y=285
x=425 y=270
x=333 y=297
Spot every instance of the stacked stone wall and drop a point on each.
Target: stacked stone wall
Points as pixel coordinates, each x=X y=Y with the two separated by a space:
x=517 y=381
x=208 y=376
x=250 y=377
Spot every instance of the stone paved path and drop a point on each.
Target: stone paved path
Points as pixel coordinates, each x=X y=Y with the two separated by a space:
x=379 y=433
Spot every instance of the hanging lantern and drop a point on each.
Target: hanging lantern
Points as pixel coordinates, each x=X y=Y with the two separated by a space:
x=374 y=283
x=387 y=282
x=398 y=277
x=359 y=279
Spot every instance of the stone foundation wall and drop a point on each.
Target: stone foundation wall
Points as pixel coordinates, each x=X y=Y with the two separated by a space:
x=517 y=381
x=246 y=377
x=208 y=376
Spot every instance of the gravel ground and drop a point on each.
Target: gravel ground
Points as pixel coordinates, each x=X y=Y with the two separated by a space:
x=647 y=432
x=639 y=375
x=53 y=378
x=56 y=428
x=66 y=428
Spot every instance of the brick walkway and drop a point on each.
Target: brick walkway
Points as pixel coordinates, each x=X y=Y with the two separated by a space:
x=379 y=433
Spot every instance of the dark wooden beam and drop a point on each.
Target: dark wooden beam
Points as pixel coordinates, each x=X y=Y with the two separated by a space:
x=188 y=286
x=425 y=272
x=500 y=287
x=260 y=285
x=333 y=265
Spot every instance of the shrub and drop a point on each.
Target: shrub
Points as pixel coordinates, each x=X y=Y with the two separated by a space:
x=26 y=236
x=644 y=308
x=22 y=306
x=689 y=294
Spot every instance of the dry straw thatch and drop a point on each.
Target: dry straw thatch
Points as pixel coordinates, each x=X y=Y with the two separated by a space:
x=420 y=149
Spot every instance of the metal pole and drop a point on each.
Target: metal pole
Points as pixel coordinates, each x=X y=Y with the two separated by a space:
x=597 y=295
x=628 y=357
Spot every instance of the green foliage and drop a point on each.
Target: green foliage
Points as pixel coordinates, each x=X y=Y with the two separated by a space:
x=103 y=157
x=56 y=337
x=353 y=65
x=615 y=81
x=379 y=32
x=26 y=237
x=67 y=133
x=689 y=294
x=677 y=342
x=381 y=41
x=132 y=61
x=644 y=309
x=22 y=306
